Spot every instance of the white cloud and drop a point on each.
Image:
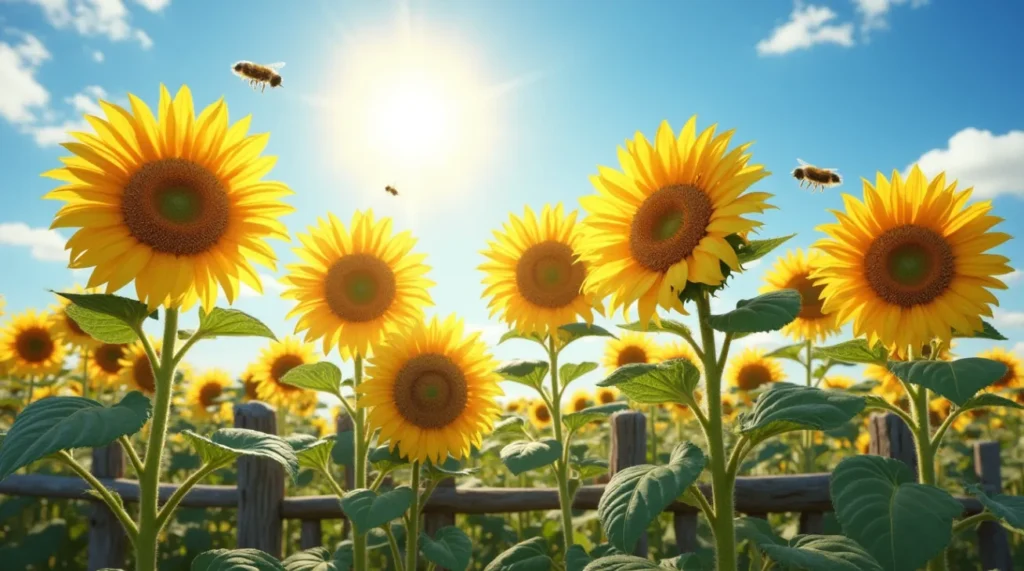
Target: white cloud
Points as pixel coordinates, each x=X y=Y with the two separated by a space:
x=807 y=26
x=990 y=163
x=21 y=94
x=1010 y=318
x=1019 y=348
x=1012 y=276
x=767 y=340
x=97 y=56
x=83 y=103
x=270 y=286
x=489 y=333
x=107 y=18
x=44 y=244
x=873 y=12
x=153 y=5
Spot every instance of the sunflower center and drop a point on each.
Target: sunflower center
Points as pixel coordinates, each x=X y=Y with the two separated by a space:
x=605 y=397
x=909 y=265
x=176 y=207
x=359 y=287
x=280 y=368
x=35 y=345
x=430 y=391
x=209 y=393
x=631 y=354
x=73 y=325
x=542 y=413
x=548 y=274
x=579 y=404
x=108 y=356
x=142 y=371
x=810 y=297
x=1007 y=376
x=752 y=376
x=250 y=389
x=668 y=226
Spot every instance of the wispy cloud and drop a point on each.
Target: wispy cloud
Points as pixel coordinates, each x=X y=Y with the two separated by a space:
x=97 y=56
x=1009 y=318
x=44 y=244
x=82 y=103
x=990 y=163
x=22 y=96
x=874 y=13
x=807 y=26
x=103 y=18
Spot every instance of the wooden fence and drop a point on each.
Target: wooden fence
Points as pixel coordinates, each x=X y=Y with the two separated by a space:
x=262 y=505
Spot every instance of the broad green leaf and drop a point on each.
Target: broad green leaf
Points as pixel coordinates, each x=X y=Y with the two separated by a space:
x=367 y=510
x=529 y=373
x=450 y=548
x=757 y=531
x=510 y=425
x=822 y=553
x=1009 y=509
x=901 y=523
x=636 y=495
x=344 y=452
x=792 y=352
x=376 y=538
x=785 y=407
x=987 y=332
x=518 y=335
x=766 y=452
x=323 y=377
x=656 y=383
x=386 y=458
x=529 y=555
x=604 y=550
x=957 y=380
x=989 y=400
x=589 y=467
x=129 y=311
x=569 y=372
x=315 y=455
x=865 y=386
x=344 y=556
x=577 y=420
x=571 y=332
x=100 y=326
x=185 y=334
x=666 y=326
x=757 y=249
x=226 y=444
x=622 y=563
x=853 y=351
x=236 y=560
x=298 y=441
x=62 y=423
x=450 y=467
x=40 y=543
x=315 y=559
x=230 y=323
x=525 y=455
x=767 y=312
x=577 y=559
x=684 y=562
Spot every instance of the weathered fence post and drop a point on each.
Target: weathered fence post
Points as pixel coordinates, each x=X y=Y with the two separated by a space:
x=629 y=448
x=260 y=486
x=343 y=423
x=312 y=534
x=685 y=526
x=812 y=523
x=993 y=541
x=107 y=540
x=892 y=438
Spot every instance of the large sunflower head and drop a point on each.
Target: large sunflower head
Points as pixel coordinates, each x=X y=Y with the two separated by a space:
x=751 y=369
x=631 y=347
x=431 y=390
x=678 y=350
x=606 y=395
x=793 y=271
x=534 y=277
x=205 y=392
x=105 y=364
x=275 y=361
x=355 y=285
x=30 y=345
x=67 y=328
x=136 y=370
x=663 y=220
x=909 y=263
x=174 y=202
x=1014 y=376
x=540 y=415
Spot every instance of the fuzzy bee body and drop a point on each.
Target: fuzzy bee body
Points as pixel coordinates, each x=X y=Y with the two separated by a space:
x=259 y=74
x=816 y=177
x=391 y=190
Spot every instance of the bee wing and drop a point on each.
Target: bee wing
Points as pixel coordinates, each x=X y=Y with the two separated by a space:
x=274 y=66
x=802 y=163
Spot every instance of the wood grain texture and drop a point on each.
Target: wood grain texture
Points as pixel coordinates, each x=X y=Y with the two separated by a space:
x=260 y=486
x=311 y=534
x=107 y=539
x=993 y=540
x=892 y=438
x=629 y=448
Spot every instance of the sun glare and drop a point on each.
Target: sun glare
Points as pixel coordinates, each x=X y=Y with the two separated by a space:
x=413 y=121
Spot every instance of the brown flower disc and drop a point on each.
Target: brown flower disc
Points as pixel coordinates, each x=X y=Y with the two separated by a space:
x=631 y=354
x=810 y=297
x=280 y=368
x=549 y=275
x=752 y=376
x=108 y=356
x=142 y=372
x=909 y=265
x=668 y=226
x=209 y=393
x=430 y=391
x=35 y=345
x=360 y=288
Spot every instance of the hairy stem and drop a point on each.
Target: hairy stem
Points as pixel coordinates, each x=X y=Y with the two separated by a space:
x=359 y=539
x=562 y=466
x=108 y=498
x=413 y=535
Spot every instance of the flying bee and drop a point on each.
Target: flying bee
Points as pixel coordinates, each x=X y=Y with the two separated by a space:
x=259 y=74
x=391 y=190
x=816 y=177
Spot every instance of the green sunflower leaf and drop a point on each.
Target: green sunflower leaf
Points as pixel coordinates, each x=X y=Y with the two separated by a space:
x=311 y=452
x=525 y=455
x=368 y=509
x=518 y=335
x=785 y=407
x=623 y=563
x=1009 y=509
x=236 y=560
x=100 y=326
x=315 y=559
x=324 y=377
x=129 y=311
x=767 y=312
x=450 y=548
x=822 y=553
x=53 y=424
x=577 y=420
x=571 y=332
x=757 y=531
x=901 y=523
x=525 y=372
x=853 y=351
x=589 y=467
x=569 y=372
x=757 y=249
x=185 y=334
x=865 y=386
x=226 y=444
x=656 y=383
x=792 y=352
x=344 y=556
x=510 y=425
x=576 y=559
x=41 y=542
x=957 y=380
x=385 y=458
x=230 y=323
x=987 y=332
x=684 y=562
x=989 y=400
x=529 y=555
x=666 y=326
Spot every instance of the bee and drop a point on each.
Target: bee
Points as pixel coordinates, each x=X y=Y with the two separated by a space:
x=816 y=177
x=391 y=190
x=259 y=74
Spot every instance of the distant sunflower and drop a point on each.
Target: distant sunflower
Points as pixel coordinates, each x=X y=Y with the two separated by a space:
x=304 y=404
x=909 y=263
x=355 y=285
x=1014 y=376
x=793 y=272
x=540 y=416
x=580 y=400
x=606 y=395
x=863 y=443
x=205 y=392
x=321 y=425
x=663 y=220
x=30 y=345
x=67 y=328
x=431 y=390
x=751 y=369
x=630 y=347
x=730 y=407
x=249 y=384
x=57 y=390
x=105 y=364
x=275 y=361
x=516 y=406
x=174 y=196
x=837 y=382
x=136 y=370
x=682 y=412
x=678 y=350
x=534 y=278
x=889 y=386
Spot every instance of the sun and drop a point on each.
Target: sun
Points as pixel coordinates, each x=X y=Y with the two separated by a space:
x=414 y=119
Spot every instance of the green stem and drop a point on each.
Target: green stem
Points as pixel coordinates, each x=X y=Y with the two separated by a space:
x=168 y=508
x=925 y=455
x=85 y=372
x=413 y=522
x=112 y=502
x=969 y=522
x=562 y=466
x=359 y=540
x=133 y=457
x=335 y=486
x=378 y=481
x=807 y=436
x=652 y=430
x=149 y=480
x=721 y=485
x=396 y=553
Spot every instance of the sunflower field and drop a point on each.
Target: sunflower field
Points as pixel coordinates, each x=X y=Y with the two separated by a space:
x=171 y=212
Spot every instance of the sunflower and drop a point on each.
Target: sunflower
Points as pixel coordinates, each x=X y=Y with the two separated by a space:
x=321 y=425
x=863 y=443
x=105 y=364
x=304 y=404
x=534 y=277
x=174 y=202
x=1014 y=377
x=751 y=369
x=730 y=407
x=67 y=328
x=580 y=400
x=57 y=390
x=630 y=347
x=678 y=350
x=909 y=263
x=353 y=286
x=516 y=406
x=136 y=370
x=275 y=361
x=540 y=416
x=793 y=272
x=431 y=390
x=606 y=395
x=837 y=382
x=663 y=220
x=249 y=384
x=205 y=392
x=30 y=345
x=682 y=412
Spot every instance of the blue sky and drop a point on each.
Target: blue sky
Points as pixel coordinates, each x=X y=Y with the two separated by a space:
x=536 y=95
